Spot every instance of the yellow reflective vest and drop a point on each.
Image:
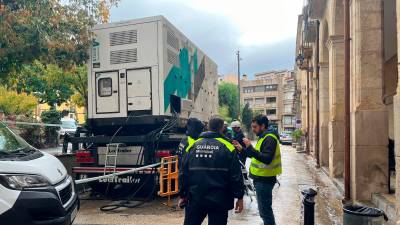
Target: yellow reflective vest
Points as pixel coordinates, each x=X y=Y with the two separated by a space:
x=191 y=142
x=260 y=169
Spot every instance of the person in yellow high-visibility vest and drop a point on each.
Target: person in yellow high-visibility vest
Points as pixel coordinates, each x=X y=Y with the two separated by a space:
x=194 y=127
x=265 y=165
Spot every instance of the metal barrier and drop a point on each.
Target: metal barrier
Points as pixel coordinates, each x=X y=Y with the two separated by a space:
x=169 y=174
x=87 y=180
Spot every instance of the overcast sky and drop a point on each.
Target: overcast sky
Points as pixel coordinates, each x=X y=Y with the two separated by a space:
x=263 y=30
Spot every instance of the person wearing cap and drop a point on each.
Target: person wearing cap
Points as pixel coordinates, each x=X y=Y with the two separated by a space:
x=239 y=136
x=226 y=131
x=194 y=127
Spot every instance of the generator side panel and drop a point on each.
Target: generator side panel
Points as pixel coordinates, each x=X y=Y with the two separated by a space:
x=124 y=70
x=189 y=74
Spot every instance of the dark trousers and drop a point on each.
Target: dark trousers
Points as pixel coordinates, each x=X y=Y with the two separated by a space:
x=264 y=201
x=195 y=214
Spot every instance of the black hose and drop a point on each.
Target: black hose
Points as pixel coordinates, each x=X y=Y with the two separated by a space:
x=155 y=137
x=126 y=204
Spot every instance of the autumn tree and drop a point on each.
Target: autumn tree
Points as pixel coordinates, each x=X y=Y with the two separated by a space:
x=51 y=31
x=49 y=83
x=80 y=85
x=13 y=103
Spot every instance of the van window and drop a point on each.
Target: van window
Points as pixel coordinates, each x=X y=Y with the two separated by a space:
x=68 y=124
x=10 y=142
x=105 y=87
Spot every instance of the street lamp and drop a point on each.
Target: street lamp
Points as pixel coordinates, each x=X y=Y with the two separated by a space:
x=238 y=67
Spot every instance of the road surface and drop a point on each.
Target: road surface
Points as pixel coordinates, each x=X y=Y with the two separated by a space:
x=299 y=173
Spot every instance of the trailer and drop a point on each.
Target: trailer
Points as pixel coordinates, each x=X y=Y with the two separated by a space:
x=145 y=79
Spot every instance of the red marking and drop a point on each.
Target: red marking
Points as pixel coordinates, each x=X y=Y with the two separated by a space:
x=162 y=154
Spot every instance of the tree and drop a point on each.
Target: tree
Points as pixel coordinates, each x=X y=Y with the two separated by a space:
x=80 y=86
x=51 y=117
x=247 y=116
x=228 y=96
x=12 y=103
x=223 y=111
x=51 y=31
x=49 y=83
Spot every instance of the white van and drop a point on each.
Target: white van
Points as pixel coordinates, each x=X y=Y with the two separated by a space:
x=68 y=126
x=35 y=187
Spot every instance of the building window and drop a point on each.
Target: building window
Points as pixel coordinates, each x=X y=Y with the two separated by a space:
x=271 y=87
x=259 y=89
x=289 y=95
x=289 y=120
x=271 y=111
x=288 y=108
x=248 y=101
x=259 y=101
x=271 y=99
x=258 y=112
x=248 y=89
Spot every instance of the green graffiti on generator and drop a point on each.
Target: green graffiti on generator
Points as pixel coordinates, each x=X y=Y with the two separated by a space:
x=179 y=79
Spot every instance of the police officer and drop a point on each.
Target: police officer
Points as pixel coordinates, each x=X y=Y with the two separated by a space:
x=211 y=178
x=265 y=165
x=194 y=127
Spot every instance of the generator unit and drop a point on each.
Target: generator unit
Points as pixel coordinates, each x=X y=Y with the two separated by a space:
x=145 y=79
x=146 y=69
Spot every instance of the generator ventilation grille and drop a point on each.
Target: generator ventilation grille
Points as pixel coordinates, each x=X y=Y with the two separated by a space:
x=123 y=56
x=172 y=58
x=172 y=40
x=123 y=37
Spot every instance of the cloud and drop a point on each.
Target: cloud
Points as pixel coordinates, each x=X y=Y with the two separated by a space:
x=219 y=33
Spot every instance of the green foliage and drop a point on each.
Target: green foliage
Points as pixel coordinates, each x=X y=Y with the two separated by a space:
x=297 y=134
x=223 y=111
x=247 y=116
x=12 y=103
x=51 y=117
x=80 y=86
x=50 y=84
x=51 y=31
x=228 y=96
x=30 y=133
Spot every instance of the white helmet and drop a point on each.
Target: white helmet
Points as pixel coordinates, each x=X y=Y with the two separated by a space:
x=235 y=124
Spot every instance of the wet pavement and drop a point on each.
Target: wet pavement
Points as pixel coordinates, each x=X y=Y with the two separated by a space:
x=299 y=173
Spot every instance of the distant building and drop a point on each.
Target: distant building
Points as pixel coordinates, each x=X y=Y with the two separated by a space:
x=271 y=93
x=228 y=78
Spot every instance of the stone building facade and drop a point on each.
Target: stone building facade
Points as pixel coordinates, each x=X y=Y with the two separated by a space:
x=271 y=93
x=228 y=78
x=374 y=90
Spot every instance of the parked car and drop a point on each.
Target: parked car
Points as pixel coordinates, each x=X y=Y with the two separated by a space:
x=35 y=187
x=286 y=137
x=68 y=126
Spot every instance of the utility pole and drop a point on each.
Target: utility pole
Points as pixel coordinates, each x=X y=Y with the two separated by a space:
x=238 y=67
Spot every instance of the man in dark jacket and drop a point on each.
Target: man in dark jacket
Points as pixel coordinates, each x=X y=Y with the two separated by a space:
x=194 y=127
x=265 y=165
x=211 y=178
x=239 y=136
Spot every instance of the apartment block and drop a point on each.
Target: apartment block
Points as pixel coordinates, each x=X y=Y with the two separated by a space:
x=271 y=93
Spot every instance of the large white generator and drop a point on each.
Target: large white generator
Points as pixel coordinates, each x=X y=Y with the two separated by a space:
x=144 y=69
